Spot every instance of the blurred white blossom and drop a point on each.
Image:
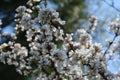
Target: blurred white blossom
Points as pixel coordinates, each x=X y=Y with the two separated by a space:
x=78 y=58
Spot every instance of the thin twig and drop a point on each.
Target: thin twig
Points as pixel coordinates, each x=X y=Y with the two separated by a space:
x=112 y=5
x=110 y=44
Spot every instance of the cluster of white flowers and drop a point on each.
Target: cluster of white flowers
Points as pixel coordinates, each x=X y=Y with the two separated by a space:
x=115 y=28
x=78 y=58
x=93 y=24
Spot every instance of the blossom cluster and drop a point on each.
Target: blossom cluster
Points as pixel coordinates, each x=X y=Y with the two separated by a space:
x=50 y=54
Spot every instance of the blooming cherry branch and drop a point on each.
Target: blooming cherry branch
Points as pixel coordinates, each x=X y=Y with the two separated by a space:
x=78 y=58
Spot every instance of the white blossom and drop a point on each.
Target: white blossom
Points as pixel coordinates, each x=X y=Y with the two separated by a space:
x=78 y=57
